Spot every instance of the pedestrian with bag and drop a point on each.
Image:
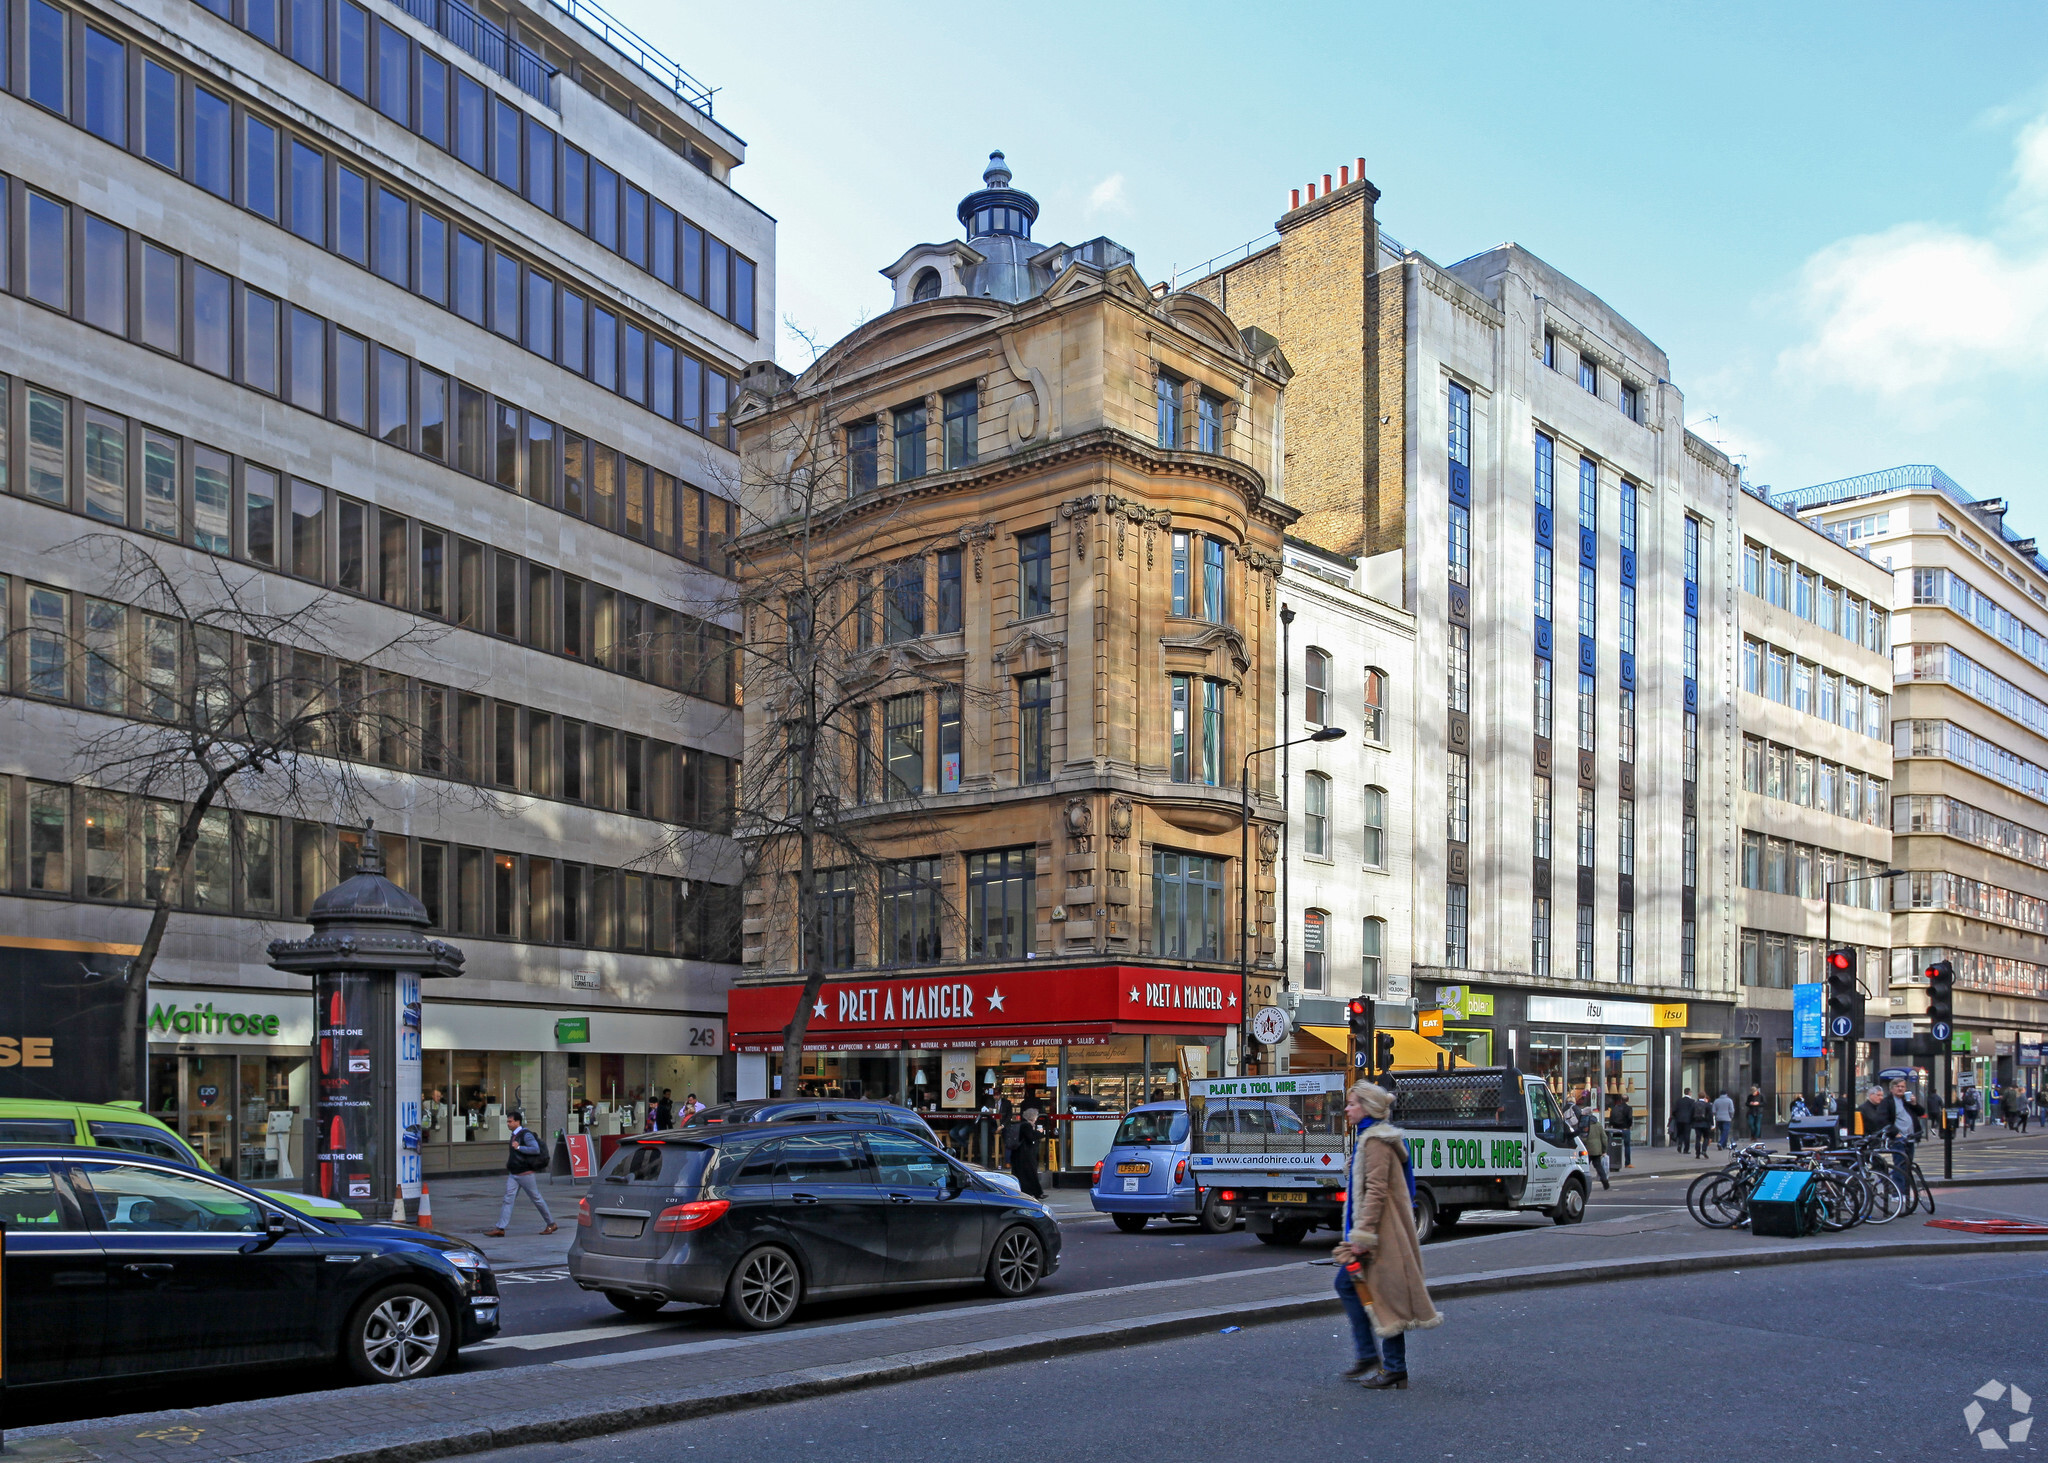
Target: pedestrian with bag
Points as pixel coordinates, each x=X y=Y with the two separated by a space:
x=1753 y=1105
x=1681 y=1122
x=1380 y=1276
x=1621 y=1123
x=1970 y=1111
x=1724 y=1119
x=1702 y=1123
x=527 y=1157
x=1023 y=1138
x=1594 y=1135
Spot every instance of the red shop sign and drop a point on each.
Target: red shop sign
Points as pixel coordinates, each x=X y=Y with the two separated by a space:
x=1016 y=998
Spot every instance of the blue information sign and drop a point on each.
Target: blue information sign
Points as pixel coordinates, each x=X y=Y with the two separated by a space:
x=1808 y=1002
x=1939 y=1030
x=1842 y=1026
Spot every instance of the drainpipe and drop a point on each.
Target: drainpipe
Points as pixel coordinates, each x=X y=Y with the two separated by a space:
x=1281 y=951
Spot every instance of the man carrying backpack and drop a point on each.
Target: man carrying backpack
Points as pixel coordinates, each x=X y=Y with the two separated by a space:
x=527 y=1157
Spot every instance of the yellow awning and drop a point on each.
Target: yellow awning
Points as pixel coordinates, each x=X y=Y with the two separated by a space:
x=1411 y=1049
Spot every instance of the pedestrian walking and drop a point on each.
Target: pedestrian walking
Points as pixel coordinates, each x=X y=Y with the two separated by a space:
x=665 y=1110
x=1594 y=1135
x=1753 y=1105
x=1681 y=1121
x=1798 y=1110
x=2015 y=1104
x=527 y=1157
x=1380 y=1277
x=1702 y=1123
x=1970 y=1111
x=1023 y=1136
x=1724 y=1118
x=1621 y=1123
x=1903 y=1134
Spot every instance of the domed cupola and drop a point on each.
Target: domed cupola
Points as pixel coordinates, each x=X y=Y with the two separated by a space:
x=998 y=209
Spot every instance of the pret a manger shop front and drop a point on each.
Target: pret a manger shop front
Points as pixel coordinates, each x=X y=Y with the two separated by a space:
x=1081 y=1043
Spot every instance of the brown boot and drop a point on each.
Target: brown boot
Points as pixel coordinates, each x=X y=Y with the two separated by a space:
x=551 y=1229
x=494 y=1234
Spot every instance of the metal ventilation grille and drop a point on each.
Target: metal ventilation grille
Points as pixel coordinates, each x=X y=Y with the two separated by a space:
x=1471 y=1097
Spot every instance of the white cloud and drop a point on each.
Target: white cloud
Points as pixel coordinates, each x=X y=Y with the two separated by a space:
x=1108 y=196
x=1922 y=306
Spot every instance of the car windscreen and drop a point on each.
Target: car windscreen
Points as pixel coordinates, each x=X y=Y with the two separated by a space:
x=38 y=1130
x=668 y=1165
x=1153 y=1127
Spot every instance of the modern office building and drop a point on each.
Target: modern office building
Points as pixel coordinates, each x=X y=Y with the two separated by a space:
x=1567 y=550
x=1013 y=553
x=428 y=313
x=1813 y=704
x=1969 y=730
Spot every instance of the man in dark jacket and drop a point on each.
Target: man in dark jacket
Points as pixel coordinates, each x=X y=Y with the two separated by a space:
x=1681 y=1121
x=1024 y=1153
x=527 y=1156
x=1621 y=1120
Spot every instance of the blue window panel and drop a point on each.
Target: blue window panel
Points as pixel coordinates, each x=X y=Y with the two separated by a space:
x=1586 y=654
x=1692 y=598
x=1461 y=483
x=1692 y=694
x=1589 y=546
x=1543 y=526
x=1628 y=566
x=1543 y=637
x=1628 y=671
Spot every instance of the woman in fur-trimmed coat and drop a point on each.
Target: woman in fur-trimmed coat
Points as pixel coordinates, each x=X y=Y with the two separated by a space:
x=1380 y=1232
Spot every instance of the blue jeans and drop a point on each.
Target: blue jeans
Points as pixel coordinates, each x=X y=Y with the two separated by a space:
x=1392 y=1351
x=1724 y=1124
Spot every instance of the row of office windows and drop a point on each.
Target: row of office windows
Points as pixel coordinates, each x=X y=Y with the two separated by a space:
x=1187 y=417
x=108 y=657
x=1318 y=822
x=1958 y=819
x=1793 y=776
x=998 y=914
x=1810 y=689
x=909 y=428
x=1933 y=738
x=1780 y=962
x=1806 y=593
x=140 y=101
x=80 y=843
x=898 y=770
x=118 y=471
x=1940 y=663
x=1318 y=696
x=1315 y=956
x=2000 y=974
x=116 y=280
x=1946 y=587
x=1786 y=866
x=1974 y=897
x=1627 y=395
x=1584 y=961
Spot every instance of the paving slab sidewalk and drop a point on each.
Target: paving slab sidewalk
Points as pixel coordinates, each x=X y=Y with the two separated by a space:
x=584 y=1396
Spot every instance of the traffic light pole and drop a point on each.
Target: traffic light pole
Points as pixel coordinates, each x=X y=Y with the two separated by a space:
x=1948 y=1126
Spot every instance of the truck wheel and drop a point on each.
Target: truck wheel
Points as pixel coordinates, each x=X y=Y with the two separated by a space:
x=1425 y=1216
x=1448 y=1218
x=1571 y=1204
x=1286 y=1232
x=1131 y=1223
x=1217 y=1217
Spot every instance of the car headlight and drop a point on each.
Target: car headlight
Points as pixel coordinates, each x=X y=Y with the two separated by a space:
x=470 y=1262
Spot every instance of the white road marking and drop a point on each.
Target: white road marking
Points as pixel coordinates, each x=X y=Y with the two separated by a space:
x=548 y=1340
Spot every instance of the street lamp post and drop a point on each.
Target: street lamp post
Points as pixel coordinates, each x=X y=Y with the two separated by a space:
x=1847 y=1080
x=1244 y=853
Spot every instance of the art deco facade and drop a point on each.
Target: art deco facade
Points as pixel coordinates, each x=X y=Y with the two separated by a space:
x=438 y=323
x=1059 y=496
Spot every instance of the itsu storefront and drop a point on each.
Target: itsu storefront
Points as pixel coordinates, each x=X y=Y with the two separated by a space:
x=1082 y=1044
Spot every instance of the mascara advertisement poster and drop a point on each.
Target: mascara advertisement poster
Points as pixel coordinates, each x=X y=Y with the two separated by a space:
x=346 y=1137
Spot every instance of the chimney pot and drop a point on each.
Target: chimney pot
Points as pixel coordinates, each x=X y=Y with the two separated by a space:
x=1311 y=193
x=1361 y=170
x=1294 y=198
x=1326 y=182
x=1344 y=177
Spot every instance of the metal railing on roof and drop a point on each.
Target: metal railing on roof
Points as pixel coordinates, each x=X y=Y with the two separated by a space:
x=524 y=68
x=1181 y=278
x=1904 y=478
x=688 y=90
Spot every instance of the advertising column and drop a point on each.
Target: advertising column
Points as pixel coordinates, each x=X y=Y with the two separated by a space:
x=347 y=1130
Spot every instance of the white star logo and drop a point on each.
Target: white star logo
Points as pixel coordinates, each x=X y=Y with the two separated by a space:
x=1134 y=995
x=995 y=1000
x=819 y=1009
x=1233 y=1000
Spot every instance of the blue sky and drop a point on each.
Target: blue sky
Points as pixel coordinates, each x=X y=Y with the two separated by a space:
x=1833 y=217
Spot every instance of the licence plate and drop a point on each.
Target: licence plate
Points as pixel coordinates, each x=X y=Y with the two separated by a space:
x=1286 y=1196
x=617 y=1228
x=1134 y=1168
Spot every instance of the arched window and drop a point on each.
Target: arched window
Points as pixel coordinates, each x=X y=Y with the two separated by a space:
x=1375 y=704
x=1375 y=945
x=1375 y=827
x=1315 y=680
x=1315 y=944
x=1316 y=814
x=925 y=286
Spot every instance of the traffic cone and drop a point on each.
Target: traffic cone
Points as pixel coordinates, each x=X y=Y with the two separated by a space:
x=398 y=1210
x=426 y=1219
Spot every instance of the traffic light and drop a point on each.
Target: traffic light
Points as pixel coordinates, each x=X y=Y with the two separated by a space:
x=1383 y=1052
x=1941 y=995
x=1844 y=998
x=1359 y=1014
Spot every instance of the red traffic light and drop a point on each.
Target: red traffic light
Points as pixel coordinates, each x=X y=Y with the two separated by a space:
x=1839 y=959
x=1357 y=1006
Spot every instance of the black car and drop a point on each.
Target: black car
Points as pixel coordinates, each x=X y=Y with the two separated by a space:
x=124 y=1268
x=813 y=1110
x=763 y=1217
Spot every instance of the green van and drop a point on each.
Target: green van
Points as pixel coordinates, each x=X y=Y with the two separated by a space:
x=124 y=1125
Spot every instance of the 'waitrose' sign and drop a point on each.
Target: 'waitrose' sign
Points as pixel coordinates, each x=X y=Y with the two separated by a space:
x=205 y=1021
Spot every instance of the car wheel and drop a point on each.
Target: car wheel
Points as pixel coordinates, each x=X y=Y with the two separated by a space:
x=764 y=1289
x=1425 y=1217
x=1286 y=1232
x=1131 y=1223
x=1218 y=1217
x=1571 y=1204
x=1017 y=1262
x=398 y=1334
x=640 y=1307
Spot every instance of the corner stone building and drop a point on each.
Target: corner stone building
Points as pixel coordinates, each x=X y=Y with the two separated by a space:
x=1060 y=493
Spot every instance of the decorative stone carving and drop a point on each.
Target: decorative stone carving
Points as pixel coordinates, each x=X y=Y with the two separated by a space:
x=974 y=535
x=1119 y=820
x=1080 y=817
x=1269 y=845
x=1078 y=509
x=1126 y=511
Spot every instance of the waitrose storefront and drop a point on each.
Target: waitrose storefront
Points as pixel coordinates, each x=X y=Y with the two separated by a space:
x=230 y=1069
x=1081 y=1043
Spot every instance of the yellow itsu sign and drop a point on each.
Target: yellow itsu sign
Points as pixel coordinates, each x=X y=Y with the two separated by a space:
x=1669 y=1014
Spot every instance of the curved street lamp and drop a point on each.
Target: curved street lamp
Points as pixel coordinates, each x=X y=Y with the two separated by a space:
x=1244 y=856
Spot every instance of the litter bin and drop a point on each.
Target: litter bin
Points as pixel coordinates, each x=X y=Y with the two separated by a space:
x=1785 y=1205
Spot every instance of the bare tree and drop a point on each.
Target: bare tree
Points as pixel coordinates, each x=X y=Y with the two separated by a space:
x=220 y=693
x=825 y=640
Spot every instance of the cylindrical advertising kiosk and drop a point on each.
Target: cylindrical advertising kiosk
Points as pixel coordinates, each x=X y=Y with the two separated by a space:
x=366 y=957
